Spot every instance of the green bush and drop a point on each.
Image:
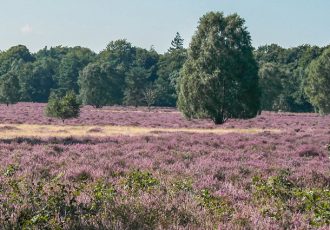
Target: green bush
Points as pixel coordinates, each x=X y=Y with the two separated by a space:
x=138 y=180
x=137 y=200
x=215 y=204
x=64 y=108
x=278 y=196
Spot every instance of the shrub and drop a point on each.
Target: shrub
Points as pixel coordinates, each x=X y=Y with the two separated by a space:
x=64 y=108
x=137 y=180
x=278 y=196
x=308 y=151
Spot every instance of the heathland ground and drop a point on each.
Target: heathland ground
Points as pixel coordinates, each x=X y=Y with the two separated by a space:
x=126 y=167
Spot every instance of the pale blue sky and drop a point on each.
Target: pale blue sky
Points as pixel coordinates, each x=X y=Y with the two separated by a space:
x=94 y=23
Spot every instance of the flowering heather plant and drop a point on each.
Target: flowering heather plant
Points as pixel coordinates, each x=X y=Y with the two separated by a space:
x=33 y=113
x=267 y=180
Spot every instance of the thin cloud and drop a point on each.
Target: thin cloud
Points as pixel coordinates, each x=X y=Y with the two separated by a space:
x=26 y=29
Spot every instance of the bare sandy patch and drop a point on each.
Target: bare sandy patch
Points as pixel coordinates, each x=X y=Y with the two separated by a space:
x=29 y=130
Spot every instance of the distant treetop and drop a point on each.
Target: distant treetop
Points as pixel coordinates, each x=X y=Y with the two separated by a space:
x=177 y=42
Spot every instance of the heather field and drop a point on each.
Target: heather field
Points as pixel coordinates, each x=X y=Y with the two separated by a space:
x=128 y=168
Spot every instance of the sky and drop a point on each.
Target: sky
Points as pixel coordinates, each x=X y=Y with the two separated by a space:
x=147 y=23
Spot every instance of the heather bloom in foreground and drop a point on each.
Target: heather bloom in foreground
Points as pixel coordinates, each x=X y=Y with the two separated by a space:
x=265 y=180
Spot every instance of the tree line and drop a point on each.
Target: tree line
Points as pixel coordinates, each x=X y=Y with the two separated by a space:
x=121 y=74
x=284 y=76
x=220 y=61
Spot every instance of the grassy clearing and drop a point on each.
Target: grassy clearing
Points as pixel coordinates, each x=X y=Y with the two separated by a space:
x=132 y=111
x=8 y=131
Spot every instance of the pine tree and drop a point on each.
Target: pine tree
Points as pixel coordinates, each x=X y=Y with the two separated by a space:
x=177 y=42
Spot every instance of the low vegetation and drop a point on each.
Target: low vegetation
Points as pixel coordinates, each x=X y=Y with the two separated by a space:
x=133 y=167
x=183 y=180
x=44 y=131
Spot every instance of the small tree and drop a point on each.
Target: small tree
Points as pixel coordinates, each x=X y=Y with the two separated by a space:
x=177 y=43
x=9 y=89
x=150 y=96
x=64 y=108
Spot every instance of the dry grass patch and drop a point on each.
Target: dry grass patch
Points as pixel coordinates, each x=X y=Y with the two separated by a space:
x=28 y=130
x=132 y=111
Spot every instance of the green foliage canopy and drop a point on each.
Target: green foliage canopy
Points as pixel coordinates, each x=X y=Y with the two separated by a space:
x=70 y=66
x=168 y=69
x=64 y=108
x=219 y=80
x=130 y=71
x=291 y=64
x=98 y=85
x=9 y=89
x=318 y=83
x=270 y=81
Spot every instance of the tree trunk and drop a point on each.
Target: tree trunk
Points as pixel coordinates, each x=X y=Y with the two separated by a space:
x=218 y=120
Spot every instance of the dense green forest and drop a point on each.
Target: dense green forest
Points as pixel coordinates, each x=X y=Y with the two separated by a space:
x=123 y=74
